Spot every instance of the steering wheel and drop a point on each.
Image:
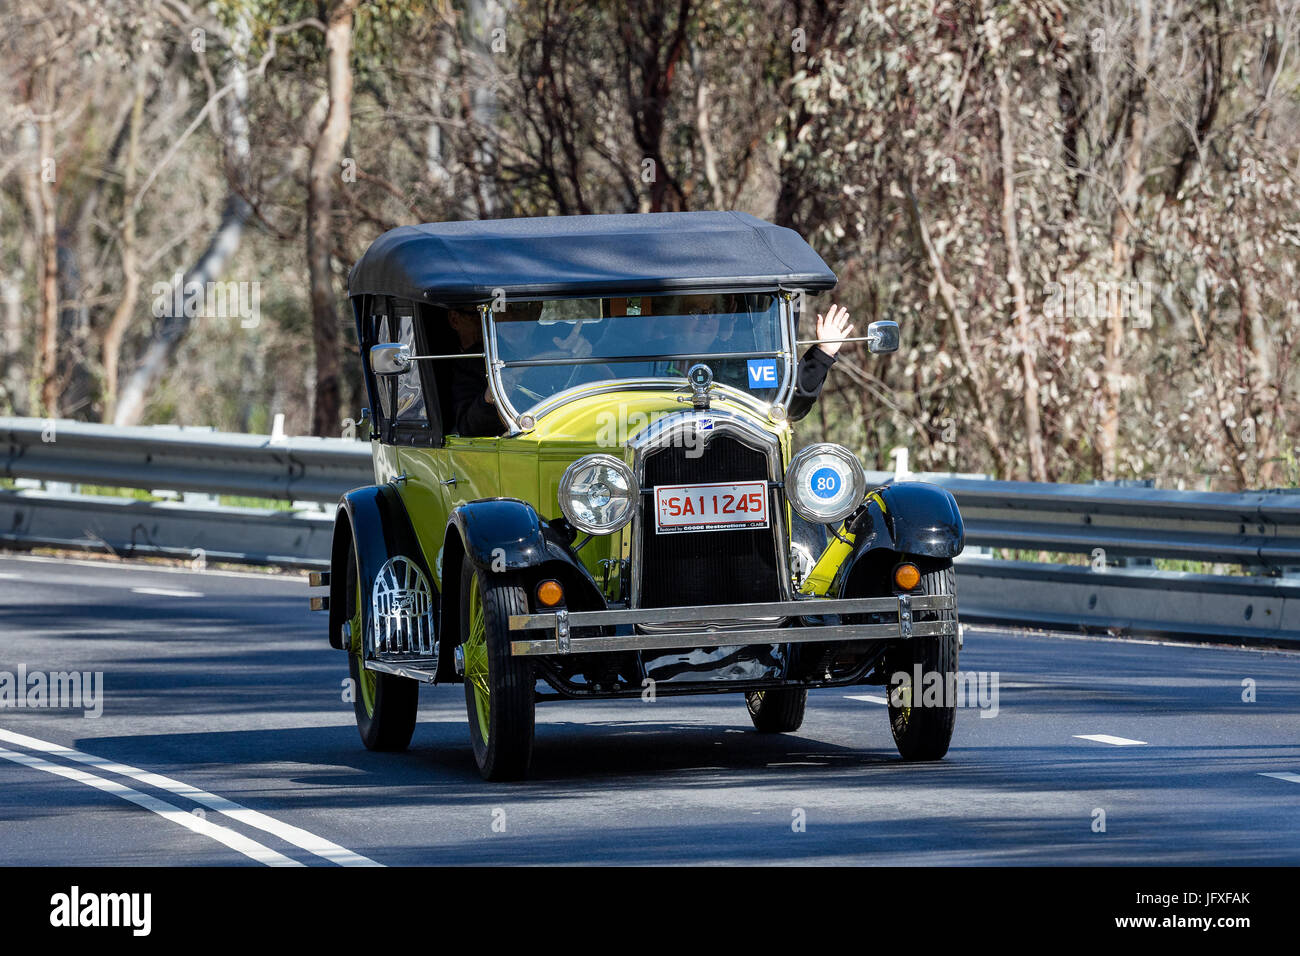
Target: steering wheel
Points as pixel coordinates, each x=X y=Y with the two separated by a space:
x=602 y=371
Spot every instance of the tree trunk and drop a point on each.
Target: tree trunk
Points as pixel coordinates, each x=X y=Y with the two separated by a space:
x=325 y=158
x=1121 y=256
x=117 y=325
x=47 y=229
x=213 y=261
x=1031 y=399
x=704 y=130
x=973 y=379
x=13 y=384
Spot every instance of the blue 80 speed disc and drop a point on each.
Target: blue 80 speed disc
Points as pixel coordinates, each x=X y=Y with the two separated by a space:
x=825 y=482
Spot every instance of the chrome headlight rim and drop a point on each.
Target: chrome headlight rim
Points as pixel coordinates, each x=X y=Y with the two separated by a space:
x=566 y=492
x=852 y=474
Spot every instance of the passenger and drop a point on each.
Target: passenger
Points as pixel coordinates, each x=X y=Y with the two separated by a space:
x=832 y=328
x=720 y=329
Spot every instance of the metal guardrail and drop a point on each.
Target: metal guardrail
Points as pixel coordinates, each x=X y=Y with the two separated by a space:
x=183 y=459
x=197 y=463
x=1130 y=601
x=1256 y=530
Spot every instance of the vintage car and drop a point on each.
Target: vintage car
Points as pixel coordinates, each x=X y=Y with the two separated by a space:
x=586 y=487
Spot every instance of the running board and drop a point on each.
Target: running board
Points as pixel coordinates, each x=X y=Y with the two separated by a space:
x=424 y=670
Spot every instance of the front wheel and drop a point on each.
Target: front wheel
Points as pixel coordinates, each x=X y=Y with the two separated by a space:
x=922 y=724
x=498 y=687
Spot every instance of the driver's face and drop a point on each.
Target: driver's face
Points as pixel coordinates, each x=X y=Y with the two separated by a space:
x=708 y=325
x=467 y=327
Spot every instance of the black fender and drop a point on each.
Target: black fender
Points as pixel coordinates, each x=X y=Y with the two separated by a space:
x=500 y=534
x=912 y=518
x=505 y=535
x=374 y=520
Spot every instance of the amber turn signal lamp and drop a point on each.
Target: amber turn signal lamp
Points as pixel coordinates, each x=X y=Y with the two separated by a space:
x=906 y=576
x=549 y=593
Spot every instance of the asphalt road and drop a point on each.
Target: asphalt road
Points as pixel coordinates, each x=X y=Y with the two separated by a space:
x=224 y=739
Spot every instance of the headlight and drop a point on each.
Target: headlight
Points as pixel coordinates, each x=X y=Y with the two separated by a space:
x=597 y=494
x=825 y=483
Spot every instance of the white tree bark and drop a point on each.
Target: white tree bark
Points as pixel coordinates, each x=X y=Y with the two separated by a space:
x=212 y=262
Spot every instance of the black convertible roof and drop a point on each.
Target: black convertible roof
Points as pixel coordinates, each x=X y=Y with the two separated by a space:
x=465 y=262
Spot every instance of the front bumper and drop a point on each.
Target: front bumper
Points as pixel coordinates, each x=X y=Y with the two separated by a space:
x=560 y=625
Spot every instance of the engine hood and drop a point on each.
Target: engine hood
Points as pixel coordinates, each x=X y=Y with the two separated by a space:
x=610 y=418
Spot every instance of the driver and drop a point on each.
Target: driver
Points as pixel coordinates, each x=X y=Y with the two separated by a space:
x=473 y=411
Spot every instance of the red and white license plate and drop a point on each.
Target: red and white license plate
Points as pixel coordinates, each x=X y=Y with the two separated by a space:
x=719 y=506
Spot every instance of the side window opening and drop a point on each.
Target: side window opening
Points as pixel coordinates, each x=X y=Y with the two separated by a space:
x=442 y=341
x=379 y=330
x=410 y=404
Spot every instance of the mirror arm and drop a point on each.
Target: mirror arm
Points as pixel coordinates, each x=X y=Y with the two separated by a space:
x=458 y=355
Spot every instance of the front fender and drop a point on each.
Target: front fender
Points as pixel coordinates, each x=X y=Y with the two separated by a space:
x=374 y=521
x=918 y=518
x=906 y=518
x=499 y=535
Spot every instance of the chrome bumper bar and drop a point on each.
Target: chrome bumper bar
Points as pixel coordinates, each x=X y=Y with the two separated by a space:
x=560 y=624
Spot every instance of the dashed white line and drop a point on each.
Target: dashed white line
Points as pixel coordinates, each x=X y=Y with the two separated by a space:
x=145 y=567
x=168 y=592
x=303 y=839
x=9 y=576
x=169 y=811
x=868 y=698
x=1292 y=777
x=1108 y=739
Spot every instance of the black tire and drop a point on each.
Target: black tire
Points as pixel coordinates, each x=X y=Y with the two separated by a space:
x=777 y=711
x=507 y=751
x=924 y=732
x=385 y=704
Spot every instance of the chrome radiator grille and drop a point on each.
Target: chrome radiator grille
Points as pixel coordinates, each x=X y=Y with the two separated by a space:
x=707 y=567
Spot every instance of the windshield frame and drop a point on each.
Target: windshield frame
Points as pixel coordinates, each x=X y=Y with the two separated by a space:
x=786 y=325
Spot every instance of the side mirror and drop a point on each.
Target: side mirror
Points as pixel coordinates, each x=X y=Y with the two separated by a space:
x=882 y=336
x=390 y=358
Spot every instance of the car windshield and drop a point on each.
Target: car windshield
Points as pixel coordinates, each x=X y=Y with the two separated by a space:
x=548 y=347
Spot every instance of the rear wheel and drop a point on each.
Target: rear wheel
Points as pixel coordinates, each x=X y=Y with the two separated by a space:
x=777 y=711
x=385 y=704
x=498 y=687
x=922 y=731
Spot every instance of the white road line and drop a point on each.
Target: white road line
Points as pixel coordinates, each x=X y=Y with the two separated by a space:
x=868 y=698
x=167 y=592
x=9 y=576
x=303 y=839
x=168 y=811
x=147 y=568
x=1292 y=777
x=1108 y=739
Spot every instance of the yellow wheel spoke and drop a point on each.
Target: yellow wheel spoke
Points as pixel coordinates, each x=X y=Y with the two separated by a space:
x=476 y=659
x=366 y=680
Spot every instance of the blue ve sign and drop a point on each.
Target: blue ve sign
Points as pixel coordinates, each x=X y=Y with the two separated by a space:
x=762 y=373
